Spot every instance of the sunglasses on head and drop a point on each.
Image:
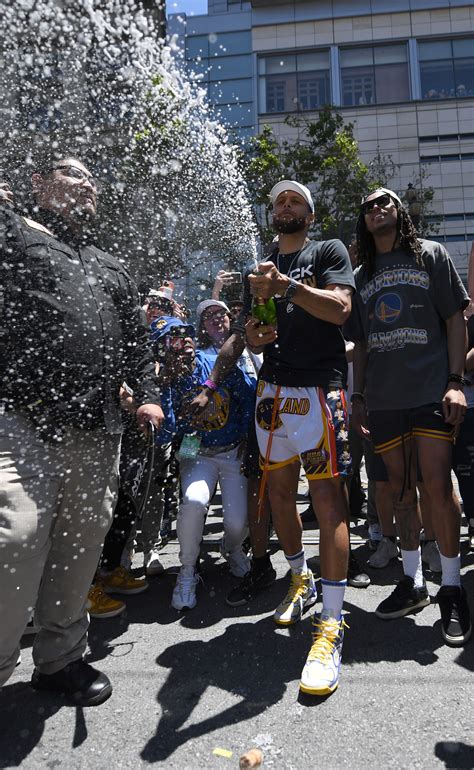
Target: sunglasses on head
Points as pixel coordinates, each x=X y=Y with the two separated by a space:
x=382 y=200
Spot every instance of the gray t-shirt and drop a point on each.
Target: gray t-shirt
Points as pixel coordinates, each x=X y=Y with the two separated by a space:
x=401 y=314
x=469 y=389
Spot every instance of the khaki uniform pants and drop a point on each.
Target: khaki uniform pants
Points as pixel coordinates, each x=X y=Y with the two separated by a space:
x=56 y=505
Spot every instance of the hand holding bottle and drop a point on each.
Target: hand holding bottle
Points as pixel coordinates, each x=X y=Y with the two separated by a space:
x=258 y=335
x=268 y=282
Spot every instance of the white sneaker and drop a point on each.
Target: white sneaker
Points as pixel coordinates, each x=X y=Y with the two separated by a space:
x=430 y=556
x=152 y=563
x=239 y=563
x=386 y=551
x=301 y=594
x=184 y=594
x=320 y=675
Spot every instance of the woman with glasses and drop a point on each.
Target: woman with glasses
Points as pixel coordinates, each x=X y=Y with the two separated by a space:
x=210 y=453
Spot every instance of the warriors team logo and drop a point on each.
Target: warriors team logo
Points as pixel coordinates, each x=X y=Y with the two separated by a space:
x=263 y=414
x=216 y=413
x=388 y=308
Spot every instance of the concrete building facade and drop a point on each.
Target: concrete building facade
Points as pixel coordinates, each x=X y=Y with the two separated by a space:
x=402 y=72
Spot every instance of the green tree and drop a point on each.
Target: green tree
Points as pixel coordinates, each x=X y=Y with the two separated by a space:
x=325 y=156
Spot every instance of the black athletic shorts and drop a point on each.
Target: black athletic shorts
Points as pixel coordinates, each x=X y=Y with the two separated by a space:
x=374 y=465
x=389 y=428
x=376 y=470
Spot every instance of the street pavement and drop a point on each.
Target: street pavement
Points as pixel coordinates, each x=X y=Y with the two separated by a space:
x=222 y=679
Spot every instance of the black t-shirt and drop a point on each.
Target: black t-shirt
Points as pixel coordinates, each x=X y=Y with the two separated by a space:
x=308 y=351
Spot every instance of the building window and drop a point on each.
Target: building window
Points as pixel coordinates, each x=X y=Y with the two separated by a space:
x=290 y=83
x=358 y=89
x=276 y=96
x=447 y=68
x=374 y=75
x=309 y=94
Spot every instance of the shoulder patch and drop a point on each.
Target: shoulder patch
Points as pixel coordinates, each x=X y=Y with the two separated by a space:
x=37 y=226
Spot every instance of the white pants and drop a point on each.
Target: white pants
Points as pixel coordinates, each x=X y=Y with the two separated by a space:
x=198 y=481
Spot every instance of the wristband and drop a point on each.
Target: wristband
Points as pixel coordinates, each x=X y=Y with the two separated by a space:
x=210 y=384
x=357 y=396
x=458 y=379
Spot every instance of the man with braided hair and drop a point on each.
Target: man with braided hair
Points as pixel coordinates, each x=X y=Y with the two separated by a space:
x=410 y=337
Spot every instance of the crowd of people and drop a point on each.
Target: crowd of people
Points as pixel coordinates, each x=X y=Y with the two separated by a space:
x=120 y=416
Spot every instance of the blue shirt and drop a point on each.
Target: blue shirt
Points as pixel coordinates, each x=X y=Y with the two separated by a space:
x=227 y=417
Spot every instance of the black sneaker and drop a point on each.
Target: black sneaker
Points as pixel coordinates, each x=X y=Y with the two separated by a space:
x=355 y=577
x=455 y=617
x=85 y=685
x=252 y=583
x=405 y=598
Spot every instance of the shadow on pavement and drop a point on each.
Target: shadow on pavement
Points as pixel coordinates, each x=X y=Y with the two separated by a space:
x=237 y=662
x=256 y=663
x=23 y=717
x=455 y=755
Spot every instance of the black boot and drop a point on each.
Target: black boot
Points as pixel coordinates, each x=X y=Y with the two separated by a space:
x=86 y=685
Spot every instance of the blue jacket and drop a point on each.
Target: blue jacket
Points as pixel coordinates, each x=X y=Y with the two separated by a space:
x=228 y=415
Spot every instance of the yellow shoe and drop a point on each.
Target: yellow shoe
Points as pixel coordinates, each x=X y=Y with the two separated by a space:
x=320 y=675
x=301 y=594
x=120 y=581
x=99 y=605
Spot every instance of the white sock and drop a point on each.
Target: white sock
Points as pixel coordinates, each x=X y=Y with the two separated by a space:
x=333 y=598
x=412 y=566
x=451 y=570
x=297 y=562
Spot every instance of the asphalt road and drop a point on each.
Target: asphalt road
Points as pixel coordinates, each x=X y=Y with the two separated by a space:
x=222 y=678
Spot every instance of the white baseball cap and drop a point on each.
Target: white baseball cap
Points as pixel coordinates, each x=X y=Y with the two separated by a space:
x=380 y=191
x=210 y=303
x=288 y=184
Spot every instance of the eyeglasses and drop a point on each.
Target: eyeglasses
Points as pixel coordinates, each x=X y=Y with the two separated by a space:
x=382 y=200
x=77 y=173
x=218 y=315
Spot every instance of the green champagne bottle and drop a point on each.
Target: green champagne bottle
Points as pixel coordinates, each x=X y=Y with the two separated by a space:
x=264 y=310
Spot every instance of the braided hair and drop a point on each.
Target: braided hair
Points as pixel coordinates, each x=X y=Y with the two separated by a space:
x=406 y=235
